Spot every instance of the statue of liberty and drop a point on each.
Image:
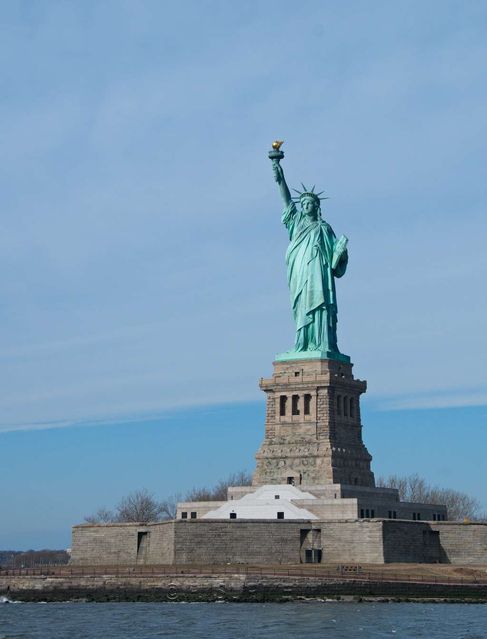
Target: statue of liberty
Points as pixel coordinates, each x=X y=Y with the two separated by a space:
x=314 y=259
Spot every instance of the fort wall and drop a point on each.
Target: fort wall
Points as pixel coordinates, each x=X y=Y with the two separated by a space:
x=462 y=543
x=214 y=541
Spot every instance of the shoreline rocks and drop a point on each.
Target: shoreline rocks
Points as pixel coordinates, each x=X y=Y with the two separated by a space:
x=229 y=588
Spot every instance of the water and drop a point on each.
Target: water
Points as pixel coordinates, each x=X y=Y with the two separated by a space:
x=309 y=620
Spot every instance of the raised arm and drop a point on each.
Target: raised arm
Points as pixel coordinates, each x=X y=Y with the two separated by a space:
x=279 y=178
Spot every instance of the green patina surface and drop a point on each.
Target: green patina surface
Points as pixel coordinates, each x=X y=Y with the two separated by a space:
x=314 y=258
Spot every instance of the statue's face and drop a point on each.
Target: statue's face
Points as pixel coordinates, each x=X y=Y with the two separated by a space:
x=310 y=207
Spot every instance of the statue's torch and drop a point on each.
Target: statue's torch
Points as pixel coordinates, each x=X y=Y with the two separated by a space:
x=275 y=154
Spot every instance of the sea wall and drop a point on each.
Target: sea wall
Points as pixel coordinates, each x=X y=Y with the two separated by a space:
x=225 y=588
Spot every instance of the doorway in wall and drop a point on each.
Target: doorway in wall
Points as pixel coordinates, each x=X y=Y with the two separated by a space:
x=312 y=556
x=142 y=545
x=311 y=551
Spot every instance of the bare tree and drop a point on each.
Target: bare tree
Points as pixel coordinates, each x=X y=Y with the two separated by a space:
x=139 y=506
x=200 y=494
x=142 y=506
x=242 y=478
x=219 y=491
x=460 y=505
x=169 y=506
x=415 y=488
x=410 y=487
x=102 y=516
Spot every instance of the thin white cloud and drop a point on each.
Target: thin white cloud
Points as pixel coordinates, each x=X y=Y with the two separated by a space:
x=156 y=411
x=76 y=341
x=144 y=412
x=452 y=399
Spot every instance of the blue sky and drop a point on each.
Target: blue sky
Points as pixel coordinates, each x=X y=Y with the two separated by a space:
x=144 y=289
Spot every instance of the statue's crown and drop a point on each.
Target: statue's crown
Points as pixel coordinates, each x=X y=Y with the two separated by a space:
x=308 y=193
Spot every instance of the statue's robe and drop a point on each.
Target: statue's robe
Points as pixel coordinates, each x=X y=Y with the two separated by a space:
x=311 y=279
